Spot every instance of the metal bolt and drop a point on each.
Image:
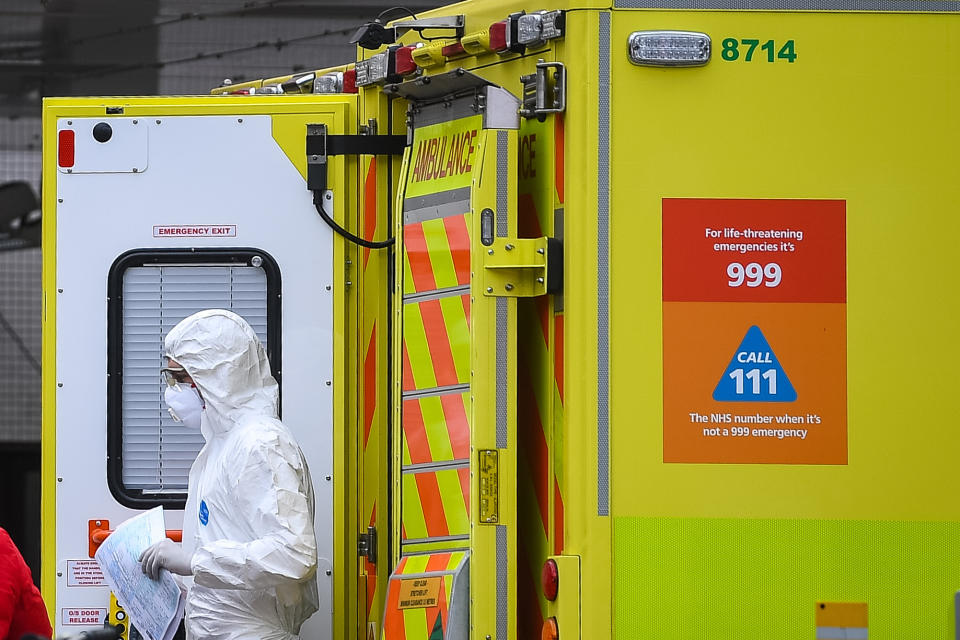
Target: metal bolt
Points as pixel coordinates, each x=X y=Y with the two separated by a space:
x=509 y=247
x=313 y=157
x=508 y=287
x=490 y=252
x=69 y=121
x=328 y=287
x=256 y=261
x=540 y=251
x=97 y=523
x=328 y=572
x=59 y=384
x=59 y=199
x=489 y=289
x=329 y=383
x=328 y=196
x=240 y=120
x=135 y=122
x=329 y=478
x=135 y=169
x=540 y=280
x=59 y=574
x=69 y=170
x=158 y=122
x=59 y=479
x=59 y=290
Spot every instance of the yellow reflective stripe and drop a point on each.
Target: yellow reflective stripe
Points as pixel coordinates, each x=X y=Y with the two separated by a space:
x=407 y=275
x=448 y=588
x=415 y=624
x=435 y=424
x=435 y=235
x=414 y=523
x=416 y=564
x=415 y=339
x=455 y=559
x=454 y=509
x=458 y=333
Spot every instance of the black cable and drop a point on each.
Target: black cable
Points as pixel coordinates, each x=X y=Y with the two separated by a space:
x=369 y=244
x=404 y=9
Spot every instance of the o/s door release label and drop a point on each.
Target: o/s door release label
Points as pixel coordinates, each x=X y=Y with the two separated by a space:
x=754 y=331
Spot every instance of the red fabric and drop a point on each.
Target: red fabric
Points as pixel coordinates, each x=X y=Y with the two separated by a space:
x=21 y=608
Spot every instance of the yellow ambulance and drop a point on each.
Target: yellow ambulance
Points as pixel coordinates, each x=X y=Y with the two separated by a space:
x=594 y=321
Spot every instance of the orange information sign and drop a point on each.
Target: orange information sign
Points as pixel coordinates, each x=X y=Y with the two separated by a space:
x=754 y=331
x=419 y=593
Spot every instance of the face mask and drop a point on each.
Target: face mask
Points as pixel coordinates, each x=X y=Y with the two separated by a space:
x=184 y=405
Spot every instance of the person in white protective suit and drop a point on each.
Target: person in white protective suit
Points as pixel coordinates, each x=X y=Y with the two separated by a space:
x=248 y=535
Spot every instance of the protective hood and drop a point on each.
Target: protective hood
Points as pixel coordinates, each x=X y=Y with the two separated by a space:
x=228 y=364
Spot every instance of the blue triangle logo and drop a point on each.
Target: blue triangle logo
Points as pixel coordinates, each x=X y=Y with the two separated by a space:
x=754 y=374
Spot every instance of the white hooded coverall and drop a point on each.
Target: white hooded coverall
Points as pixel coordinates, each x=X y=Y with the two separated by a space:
x=249 y=516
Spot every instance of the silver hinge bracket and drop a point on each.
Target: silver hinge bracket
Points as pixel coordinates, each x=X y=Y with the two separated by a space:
x=545 y=90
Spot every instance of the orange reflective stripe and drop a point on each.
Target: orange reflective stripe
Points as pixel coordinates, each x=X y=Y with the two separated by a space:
x=458 y=427
x=393 y=627
x=415 y=433
x=432 y=504
x=369 y=207
x=465 y=300
x=458 y=239
x=438 y=341
x=369 y=384
x=437 y=562
x=415 y=248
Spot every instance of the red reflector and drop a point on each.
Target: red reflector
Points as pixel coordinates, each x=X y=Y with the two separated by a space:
x=550 y=579
x=550 y=631
x=453 y=50
x=404 y=61
x=498 y=35
x=240 y=92
x=350 y=81
x=66 y=146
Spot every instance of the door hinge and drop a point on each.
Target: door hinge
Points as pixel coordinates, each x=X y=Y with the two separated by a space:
x=367 y=545
x=522 y=267
x=545 y=90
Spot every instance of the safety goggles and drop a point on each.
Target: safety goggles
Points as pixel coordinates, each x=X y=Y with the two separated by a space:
x=175 y=376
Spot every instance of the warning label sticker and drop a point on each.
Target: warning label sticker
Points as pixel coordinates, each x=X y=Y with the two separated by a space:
x=76 y=616
x=754 y=331
x=84 y=573
x=419 y=593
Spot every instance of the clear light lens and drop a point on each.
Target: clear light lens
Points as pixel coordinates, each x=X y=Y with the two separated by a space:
x=329 y=83
x=529 y=28
x=372 y=70
x=552 y=25
x=669 y=48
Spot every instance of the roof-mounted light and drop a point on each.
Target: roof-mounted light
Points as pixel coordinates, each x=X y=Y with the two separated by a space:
x=669 y=48
x=329 y=83
x=373 y=70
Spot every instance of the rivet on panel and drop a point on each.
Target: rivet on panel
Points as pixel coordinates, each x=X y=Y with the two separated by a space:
x=489 y=289
x=508 y=287
x=158 y=122
x=135 y=121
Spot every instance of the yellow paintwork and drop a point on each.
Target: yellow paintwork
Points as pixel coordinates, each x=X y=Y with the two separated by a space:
x=291 y=114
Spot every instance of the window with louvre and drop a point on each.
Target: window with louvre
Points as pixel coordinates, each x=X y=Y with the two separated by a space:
x=151 y=453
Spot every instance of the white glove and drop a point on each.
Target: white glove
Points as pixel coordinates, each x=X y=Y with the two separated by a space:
x=168 y=555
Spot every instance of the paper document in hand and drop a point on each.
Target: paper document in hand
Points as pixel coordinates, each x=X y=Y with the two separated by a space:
x=154 y=606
